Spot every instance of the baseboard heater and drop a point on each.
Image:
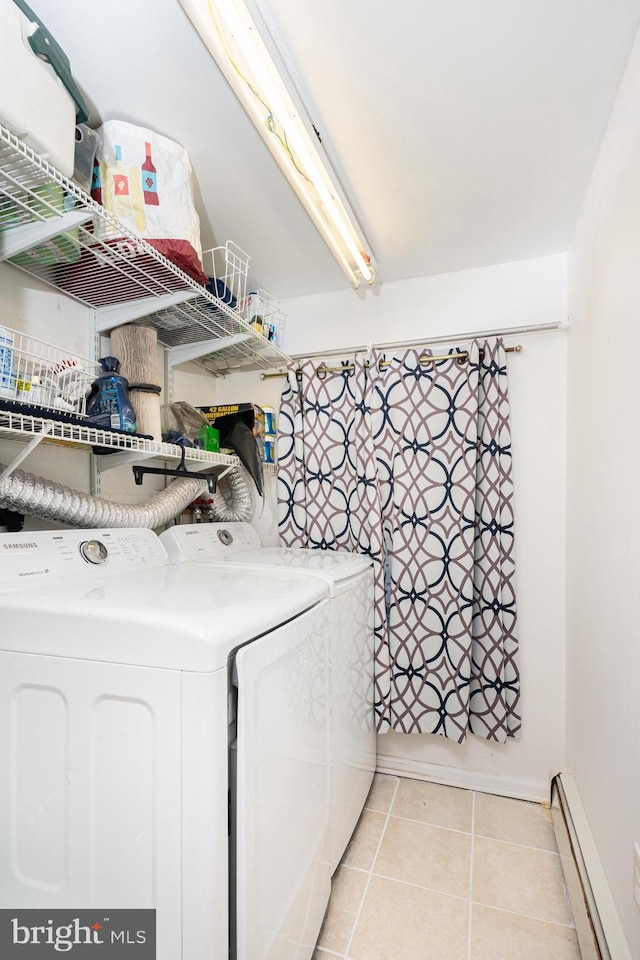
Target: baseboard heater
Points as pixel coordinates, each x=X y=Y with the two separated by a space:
x=597 y=926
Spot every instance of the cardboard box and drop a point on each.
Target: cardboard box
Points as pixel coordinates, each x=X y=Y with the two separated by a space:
x=251 y=413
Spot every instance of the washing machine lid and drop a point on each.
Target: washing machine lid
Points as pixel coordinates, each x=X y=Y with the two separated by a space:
x=238 y=544
x=338 y=568
x=186 y=617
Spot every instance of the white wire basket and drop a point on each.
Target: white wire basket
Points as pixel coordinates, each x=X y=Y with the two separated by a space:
x=264 y=314
x=39 y=374
x=227 y=268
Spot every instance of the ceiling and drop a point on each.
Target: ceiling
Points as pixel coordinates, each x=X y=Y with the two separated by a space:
x=464 y=133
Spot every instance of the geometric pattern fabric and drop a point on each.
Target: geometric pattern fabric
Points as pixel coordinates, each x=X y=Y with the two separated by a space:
x=410 y=463
x=327 y=477
x=495 y=679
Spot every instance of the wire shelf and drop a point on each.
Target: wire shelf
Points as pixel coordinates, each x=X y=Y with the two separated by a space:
x=228 y=269
x=52 y=230
x=264 y=315
x=40 y=374
x=17 y=426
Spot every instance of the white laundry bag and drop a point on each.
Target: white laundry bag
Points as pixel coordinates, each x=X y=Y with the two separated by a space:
x=145 y=180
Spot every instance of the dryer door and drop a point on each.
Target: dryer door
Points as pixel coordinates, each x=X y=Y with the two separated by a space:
x=283 y=874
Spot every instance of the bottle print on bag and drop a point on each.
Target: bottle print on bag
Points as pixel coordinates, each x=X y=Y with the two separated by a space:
x=127 y=193
x=121 y=194
x=149 y=179
x=96 y=182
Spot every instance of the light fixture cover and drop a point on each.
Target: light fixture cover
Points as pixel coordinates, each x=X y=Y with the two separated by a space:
x=231 y=36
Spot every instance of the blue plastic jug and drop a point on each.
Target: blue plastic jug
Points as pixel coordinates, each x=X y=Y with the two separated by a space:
x=108 y=404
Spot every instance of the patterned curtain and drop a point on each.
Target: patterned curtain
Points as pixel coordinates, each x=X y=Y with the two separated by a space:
x=495 y=681
x=410 y=462
x=441 y=434
x=327 y=483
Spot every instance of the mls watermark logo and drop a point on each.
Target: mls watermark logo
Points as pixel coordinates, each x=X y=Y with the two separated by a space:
x=79 y=934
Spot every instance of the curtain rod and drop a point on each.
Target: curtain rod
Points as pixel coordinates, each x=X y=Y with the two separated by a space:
x=456 y=338
x=462 y=358
x=323 y=370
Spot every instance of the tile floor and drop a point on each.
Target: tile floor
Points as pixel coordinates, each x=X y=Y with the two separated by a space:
x=438 y=873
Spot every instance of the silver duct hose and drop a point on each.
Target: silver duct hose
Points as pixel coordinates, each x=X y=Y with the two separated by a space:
x=37 y=497
x=233 y=499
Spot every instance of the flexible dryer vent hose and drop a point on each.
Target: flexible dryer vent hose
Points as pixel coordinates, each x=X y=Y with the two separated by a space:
x=233 y=499
x=37 y=497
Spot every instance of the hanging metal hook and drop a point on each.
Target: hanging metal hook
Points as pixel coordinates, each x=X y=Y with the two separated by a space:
x=180 y=471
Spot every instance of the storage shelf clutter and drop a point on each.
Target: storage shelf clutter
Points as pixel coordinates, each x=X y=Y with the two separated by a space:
x=48 y=228
x=40 y=374
x=43 y=397
x=17 y=426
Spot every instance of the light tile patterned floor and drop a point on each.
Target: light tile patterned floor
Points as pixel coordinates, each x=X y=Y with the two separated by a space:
x=438 y=873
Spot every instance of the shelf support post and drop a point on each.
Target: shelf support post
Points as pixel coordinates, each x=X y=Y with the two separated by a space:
x=47 y=427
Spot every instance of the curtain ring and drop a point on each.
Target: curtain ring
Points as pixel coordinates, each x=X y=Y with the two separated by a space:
x=321 y=372
x=462 y=359
x=299 y=375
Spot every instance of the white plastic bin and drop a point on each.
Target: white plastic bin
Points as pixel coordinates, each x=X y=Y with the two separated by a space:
x=38 y=101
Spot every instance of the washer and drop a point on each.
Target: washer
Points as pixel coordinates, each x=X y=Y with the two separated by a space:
x=126 y=685
x=349 y=577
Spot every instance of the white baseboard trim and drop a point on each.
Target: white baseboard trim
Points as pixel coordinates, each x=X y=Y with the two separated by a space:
x=598 y=926
x=536 y=790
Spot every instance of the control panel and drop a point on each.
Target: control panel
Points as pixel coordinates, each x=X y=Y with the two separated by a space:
x=26 y=558
x=212 y=541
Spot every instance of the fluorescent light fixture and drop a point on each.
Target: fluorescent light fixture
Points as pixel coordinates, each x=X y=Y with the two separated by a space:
x=232 y=38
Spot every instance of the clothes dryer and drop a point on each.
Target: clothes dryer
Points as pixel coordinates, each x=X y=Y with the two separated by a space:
x=126 y=684
x=349 y=576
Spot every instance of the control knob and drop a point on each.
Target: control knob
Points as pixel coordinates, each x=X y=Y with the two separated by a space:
x=93 y=551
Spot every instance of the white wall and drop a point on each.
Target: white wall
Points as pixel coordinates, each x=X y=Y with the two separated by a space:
x=603 y=518
x=506 y=295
